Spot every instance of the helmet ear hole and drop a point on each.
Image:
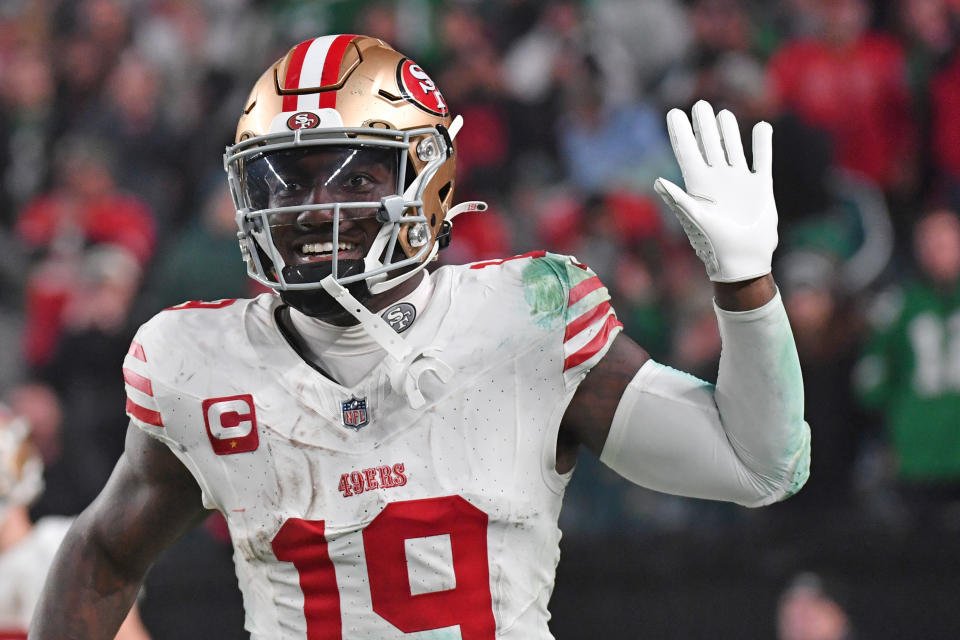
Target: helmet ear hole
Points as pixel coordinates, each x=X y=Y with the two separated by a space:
x=444 y=190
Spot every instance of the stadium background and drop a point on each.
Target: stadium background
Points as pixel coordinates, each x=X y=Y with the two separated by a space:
x=113 y=119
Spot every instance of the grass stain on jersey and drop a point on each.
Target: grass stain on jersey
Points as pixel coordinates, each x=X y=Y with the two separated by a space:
x=544 y=291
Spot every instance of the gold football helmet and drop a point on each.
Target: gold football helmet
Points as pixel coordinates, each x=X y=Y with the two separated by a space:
x=329 y=102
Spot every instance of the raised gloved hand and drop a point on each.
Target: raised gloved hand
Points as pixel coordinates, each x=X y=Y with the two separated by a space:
x=727 y=211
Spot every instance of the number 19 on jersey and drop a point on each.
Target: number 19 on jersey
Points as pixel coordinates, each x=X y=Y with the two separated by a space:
x=467 y=605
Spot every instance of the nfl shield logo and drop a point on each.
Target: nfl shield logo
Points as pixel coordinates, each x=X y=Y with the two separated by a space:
x=354 y=412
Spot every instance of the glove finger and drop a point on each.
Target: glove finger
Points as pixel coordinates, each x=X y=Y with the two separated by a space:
x=675 y=197
x=730 y=137
x=683 y=142
x=762 y=148
x=708 y=135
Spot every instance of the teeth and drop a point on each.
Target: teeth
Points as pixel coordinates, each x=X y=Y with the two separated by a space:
x=325 y=247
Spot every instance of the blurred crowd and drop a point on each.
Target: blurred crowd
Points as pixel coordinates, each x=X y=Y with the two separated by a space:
x=114 y=115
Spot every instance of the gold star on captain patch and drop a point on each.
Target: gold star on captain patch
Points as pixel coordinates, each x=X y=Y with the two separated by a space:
x=233 y=444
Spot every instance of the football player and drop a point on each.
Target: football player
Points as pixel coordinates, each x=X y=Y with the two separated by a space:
x=389 y=446
x=27 y=548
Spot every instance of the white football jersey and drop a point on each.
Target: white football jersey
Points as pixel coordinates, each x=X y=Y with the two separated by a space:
x=23 y=568
x=353 y=514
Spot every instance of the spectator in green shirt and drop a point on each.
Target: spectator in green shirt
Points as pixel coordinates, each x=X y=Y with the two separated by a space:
x=910 y=371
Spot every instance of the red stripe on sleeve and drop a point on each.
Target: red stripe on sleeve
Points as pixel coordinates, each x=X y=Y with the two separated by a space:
x=136 y=351
x=490 y=263
x=137 y=381
x=143 y=414
x=292 y=79
x=331 y=69
x=587 y=286
x=586 y=320
x=591 y=348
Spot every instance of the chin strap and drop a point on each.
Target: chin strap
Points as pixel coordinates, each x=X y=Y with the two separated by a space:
x=405 y=367
x=377 y=327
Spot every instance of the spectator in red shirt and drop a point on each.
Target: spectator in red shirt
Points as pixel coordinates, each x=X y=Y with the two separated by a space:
x=84 y=209
x=852 y=84
x=945 y=127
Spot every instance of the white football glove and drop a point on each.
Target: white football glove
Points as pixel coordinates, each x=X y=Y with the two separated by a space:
x=727 y=211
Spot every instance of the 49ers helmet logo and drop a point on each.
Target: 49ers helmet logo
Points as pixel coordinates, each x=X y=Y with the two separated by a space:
x=419 y=89
x=303 y=120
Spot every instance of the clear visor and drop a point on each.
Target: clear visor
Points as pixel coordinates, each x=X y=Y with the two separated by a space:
x=314 y=210
x=355 y=177
x=314 y=204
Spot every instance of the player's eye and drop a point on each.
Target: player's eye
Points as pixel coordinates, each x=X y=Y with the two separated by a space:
x=358 y=182
x=290 y=187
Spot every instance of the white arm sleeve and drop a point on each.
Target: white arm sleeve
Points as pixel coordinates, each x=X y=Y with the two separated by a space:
x=744 y=440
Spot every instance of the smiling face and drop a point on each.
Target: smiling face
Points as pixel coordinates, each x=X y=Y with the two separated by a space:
x=322 y=175
x=354 y=177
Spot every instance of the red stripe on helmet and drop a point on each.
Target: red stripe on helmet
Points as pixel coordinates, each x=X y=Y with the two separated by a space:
x=292 y=80
x=331 y=69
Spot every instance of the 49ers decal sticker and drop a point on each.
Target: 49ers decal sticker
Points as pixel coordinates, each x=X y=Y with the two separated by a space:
x=303 y=120
x=417 y=87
